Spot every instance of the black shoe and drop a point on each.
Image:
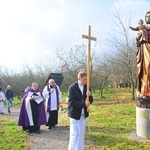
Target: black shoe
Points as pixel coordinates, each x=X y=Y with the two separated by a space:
x=9 y=111
x=2 y=113
x=38 y=132
x=50 y=128
x=30 y=132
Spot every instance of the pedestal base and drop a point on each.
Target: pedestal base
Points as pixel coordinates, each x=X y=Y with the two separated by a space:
x=143 y=122
x=143 y=117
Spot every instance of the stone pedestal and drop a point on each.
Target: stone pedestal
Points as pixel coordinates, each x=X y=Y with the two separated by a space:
x=143 y=117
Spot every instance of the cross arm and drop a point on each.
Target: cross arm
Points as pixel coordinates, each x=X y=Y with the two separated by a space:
x=88 y=37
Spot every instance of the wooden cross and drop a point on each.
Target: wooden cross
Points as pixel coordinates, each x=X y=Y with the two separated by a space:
x=89 y=37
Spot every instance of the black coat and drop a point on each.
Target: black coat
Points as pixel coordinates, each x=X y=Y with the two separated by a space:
x=76 y=101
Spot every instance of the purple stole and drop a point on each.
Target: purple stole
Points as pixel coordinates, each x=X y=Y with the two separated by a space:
x=49 y=99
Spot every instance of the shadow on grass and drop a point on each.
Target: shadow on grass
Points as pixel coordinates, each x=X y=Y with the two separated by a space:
x=109 y=137
x=111 y=102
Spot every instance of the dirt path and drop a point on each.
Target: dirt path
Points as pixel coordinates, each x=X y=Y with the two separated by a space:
x=55 y=139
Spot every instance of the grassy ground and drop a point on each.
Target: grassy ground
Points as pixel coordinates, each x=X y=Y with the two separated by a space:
x=11 y=136
x=111 y=120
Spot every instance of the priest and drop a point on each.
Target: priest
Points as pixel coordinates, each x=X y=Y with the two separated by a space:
x=32 y=112
x=52 y=95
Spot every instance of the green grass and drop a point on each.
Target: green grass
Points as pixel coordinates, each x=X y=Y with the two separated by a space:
x=111 y=120
x=64 y=95
x=11 y=136
x=16 y=101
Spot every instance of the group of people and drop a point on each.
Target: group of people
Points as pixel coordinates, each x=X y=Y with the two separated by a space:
x=8 y=95
x=33 y=113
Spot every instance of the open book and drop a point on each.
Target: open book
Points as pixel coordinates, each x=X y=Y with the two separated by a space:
x=37 y=98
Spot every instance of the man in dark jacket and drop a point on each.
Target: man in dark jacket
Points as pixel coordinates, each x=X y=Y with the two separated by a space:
x=9 y=96
x=77 y=111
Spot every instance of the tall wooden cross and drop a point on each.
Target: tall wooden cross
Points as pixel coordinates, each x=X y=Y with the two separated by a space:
x=89 y=37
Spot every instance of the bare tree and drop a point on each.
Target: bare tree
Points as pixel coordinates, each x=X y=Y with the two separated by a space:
x=101 y=73
x=70 y=63
x=20 y=81
x=124 y=60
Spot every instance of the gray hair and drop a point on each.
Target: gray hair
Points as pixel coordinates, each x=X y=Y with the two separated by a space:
x=34 y=83
x=51 y=80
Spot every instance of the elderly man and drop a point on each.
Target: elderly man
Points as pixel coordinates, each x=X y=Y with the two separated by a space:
x=32 y=113
x=52 y=95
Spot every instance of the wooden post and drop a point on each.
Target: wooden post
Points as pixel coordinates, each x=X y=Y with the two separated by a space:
x=89 y=37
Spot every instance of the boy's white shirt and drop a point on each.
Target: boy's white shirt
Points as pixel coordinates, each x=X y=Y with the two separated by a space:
x=2 y=96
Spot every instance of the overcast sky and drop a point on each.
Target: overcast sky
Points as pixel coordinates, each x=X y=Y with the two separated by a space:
x=32 y=30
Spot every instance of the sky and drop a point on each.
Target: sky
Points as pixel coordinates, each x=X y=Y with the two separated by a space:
x=32 y=30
